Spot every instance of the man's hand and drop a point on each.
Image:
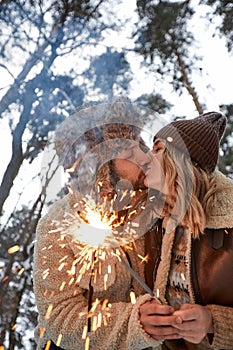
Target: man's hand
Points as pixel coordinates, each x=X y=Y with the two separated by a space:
x=193 y=322
x=157 y=321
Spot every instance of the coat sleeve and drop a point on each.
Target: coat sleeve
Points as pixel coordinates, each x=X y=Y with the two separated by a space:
x=62 y=301
x=223 y=327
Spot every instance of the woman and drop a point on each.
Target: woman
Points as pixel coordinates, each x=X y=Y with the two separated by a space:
x=195 y=274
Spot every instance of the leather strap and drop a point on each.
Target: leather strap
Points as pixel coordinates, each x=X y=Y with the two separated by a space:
x=215 y=238
x=153 y=242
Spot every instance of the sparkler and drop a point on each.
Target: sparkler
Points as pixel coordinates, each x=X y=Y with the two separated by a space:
x=96 y=232
x=138 y=278
x=99 y=234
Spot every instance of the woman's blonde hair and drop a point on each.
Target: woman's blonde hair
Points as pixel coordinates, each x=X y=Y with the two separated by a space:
x=191 y=189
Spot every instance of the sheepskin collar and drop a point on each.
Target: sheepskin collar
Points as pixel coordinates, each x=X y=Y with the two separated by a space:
x=222 y=209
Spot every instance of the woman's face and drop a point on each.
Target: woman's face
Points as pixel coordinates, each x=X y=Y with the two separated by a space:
x=155 y=177
x=141 y=169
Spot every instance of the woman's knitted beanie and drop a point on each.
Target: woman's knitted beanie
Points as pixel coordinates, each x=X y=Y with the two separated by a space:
x=199 y=138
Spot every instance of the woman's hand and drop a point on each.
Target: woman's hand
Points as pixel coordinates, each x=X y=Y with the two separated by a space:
x=193 y=322
x=157 y=321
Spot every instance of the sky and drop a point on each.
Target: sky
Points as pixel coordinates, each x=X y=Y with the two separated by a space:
x=215 y=69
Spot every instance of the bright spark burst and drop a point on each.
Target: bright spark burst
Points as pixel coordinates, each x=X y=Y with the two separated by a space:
x=96 y=225
x=98 y=232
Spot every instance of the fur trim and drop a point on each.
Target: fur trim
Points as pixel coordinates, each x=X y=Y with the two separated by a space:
x=164 y=266
x=221 y=214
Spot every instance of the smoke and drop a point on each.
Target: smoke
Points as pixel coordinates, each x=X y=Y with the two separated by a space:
x=86 y=146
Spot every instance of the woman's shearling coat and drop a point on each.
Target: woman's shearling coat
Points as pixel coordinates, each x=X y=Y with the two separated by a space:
x=221 y=218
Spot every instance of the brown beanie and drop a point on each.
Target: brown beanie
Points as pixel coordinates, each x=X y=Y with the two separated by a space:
x=199 y=137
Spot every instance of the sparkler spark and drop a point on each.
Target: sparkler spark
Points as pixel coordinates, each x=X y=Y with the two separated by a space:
x=48 y=345
x=144 y=258
x=87 y=343
x=132 y=297
x=42 y=332
x=84 y=335
x=21 y=271
x=13 y=249
x=48 y=312
x=58 y=343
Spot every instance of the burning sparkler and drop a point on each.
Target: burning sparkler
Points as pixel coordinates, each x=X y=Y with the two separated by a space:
x=138 y=278
x=100 y=235
x=95 y=230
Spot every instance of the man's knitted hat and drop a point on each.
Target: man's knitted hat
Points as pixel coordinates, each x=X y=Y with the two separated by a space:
x=98 y=129
x=199 y=138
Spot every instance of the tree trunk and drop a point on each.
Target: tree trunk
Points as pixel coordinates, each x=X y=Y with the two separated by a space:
x=15 y=313
x=17 y=156
x=17 y=153
x=11 y=311
x=13 y=92
x=3 y=292
x=188 y=84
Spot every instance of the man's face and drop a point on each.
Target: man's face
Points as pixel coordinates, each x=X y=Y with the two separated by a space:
x=130 y=165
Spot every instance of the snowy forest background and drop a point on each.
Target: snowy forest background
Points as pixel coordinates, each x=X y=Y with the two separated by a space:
x=56 y=55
